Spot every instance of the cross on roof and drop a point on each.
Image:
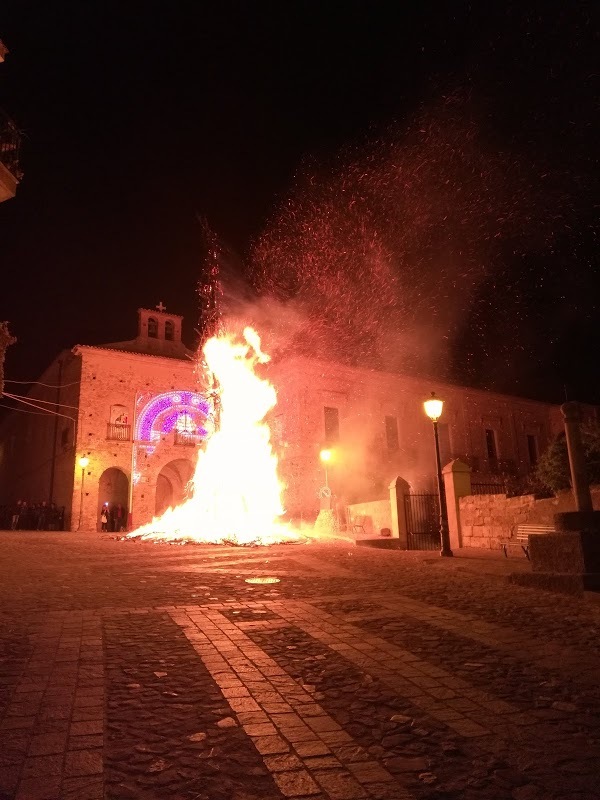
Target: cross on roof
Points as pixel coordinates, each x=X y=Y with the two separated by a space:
x=160 y=307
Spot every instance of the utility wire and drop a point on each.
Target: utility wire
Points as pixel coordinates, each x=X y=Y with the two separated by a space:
x=39 y=400
x=41 y=408
x=48 y=385
x=23 y=410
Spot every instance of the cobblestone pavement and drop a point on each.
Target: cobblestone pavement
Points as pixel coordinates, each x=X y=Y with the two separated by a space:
x=135 y=671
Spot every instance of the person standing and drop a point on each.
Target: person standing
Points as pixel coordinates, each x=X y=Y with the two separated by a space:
x=118 y=517
x=42 y=516
x=104 y=517
x=14 y=523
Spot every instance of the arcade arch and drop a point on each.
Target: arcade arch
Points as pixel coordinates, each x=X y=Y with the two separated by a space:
x=113 y=488
x=172 y=484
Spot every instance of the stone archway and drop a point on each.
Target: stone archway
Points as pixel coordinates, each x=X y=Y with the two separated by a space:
x=171 y=484
x=113 y=488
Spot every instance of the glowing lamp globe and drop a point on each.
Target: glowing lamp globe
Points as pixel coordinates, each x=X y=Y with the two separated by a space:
x=433 y=407
x=325 y=455
x=83 y=462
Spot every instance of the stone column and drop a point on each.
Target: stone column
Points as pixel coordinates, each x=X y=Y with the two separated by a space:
x=457 y=483
x=569 y=560
x=398 y=489
x=579 y=479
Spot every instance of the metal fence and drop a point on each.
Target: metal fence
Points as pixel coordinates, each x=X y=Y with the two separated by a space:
x=422 y=521
x=496 y=487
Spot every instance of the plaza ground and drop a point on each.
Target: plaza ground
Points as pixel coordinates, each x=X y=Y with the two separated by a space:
x=139 y=671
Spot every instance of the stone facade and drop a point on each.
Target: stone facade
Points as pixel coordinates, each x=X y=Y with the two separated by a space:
x=485 y=520
x=373 y=421
x=105 y=393
x=110 y=380
x=370 y=518
x=383 y=431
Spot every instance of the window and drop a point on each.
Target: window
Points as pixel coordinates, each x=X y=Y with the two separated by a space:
x=444 y=441
x=491 y=449
x=391 y=434
x=118 y=415
x=169 y=330
x=532 y=449
x=185 y=423
x=152 y=328
x=332 y=425
x=65 y=436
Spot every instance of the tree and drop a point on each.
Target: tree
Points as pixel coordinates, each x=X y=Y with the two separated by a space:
x=5 y=341
x=553 y=467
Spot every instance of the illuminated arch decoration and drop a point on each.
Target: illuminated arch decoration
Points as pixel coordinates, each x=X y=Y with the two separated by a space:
x=174 y=410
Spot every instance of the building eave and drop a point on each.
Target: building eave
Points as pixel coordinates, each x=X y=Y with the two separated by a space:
x=80 y=349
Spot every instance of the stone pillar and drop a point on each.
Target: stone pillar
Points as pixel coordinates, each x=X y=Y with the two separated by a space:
x=144 y=501
x=457 y=484
x=579 y=479
x=569 y=559
x=398 y=489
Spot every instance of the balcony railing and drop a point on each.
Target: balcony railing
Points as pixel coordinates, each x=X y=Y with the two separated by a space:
x=187 y=438
x=118 y=432
x=10 y=145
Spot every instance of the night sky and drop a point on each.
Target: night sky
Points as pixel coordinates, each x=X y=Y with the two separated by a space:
x=140 y=117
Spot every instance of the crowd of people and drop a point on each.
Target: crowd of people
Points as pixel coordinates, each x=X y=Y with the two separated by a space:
x=24 y=516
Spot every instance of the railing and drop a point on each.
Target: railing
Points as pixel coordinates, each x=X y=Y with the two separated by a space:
x=422 y=521
x=495 y=487
x=117 y=432
x=187 y=438
x=10 y=145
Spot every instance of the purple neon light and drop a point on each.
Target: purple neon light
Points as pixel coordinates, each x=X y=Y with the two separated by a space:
x=161 y=413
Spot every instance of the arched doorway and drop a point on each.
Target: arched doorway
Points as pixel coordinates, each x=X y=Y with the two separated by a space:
x=113 y=488
x=172 y=483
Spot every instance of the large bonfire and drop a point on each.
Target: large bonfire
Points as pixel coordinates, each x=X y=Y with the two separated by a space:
x=235 y=493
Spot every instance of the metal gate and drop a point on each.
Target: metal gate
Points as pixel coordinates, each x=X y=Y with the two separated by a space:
x=422 y=521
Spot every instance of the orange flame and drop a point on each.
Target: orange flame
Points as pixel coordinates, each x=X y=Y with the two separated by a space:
x=235 y=492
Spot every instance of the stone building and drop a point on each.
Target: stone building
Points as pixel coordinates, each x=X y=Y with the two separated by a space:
x=136 y=410
x=131 y=408
x=10 y=144
x=375 y=424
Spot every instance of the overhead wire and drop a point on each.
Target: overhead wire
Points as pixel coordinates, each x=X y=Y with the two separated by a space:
x=47 y=385
x=23 y=410
x=41 y=408
x=39 y=400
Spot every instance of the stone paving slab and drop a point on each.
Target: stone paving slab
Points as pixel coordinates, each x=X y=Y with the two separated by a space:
x=148 y=671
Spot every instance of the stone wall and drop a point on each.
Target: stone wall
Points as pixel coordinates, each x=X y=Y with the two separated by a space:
x=374 y=516
x=109 y=378
x=364 y=463
x=485 y=520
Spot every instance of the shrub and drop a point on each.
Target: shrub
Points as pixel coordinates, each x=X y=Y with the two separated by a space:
x=553 y=471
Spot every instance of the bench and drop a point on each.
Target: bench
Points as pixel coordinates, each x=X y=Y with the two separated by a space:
x=521 y=538
x=358 y=524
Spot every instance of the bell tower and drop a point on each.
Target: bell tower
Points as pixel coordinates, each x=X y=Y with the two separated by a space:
x=160 y=332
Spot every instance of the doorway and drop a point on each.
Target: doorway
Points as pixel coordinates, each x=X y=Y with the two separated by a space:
x=113 y=488
x=172 y=484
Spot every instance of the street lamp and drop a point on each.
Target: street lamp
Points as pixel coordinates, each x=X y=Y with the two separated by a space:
x=83 y=462
x=325 y=456
x=433 y=409
x=325 y=492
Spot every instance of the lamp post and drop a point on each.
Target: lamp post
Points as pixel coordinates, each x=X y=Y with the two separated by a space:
x=133 y=465
x=83 y=462
x=433 y=409
x=325 y=491
x=325 y=456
